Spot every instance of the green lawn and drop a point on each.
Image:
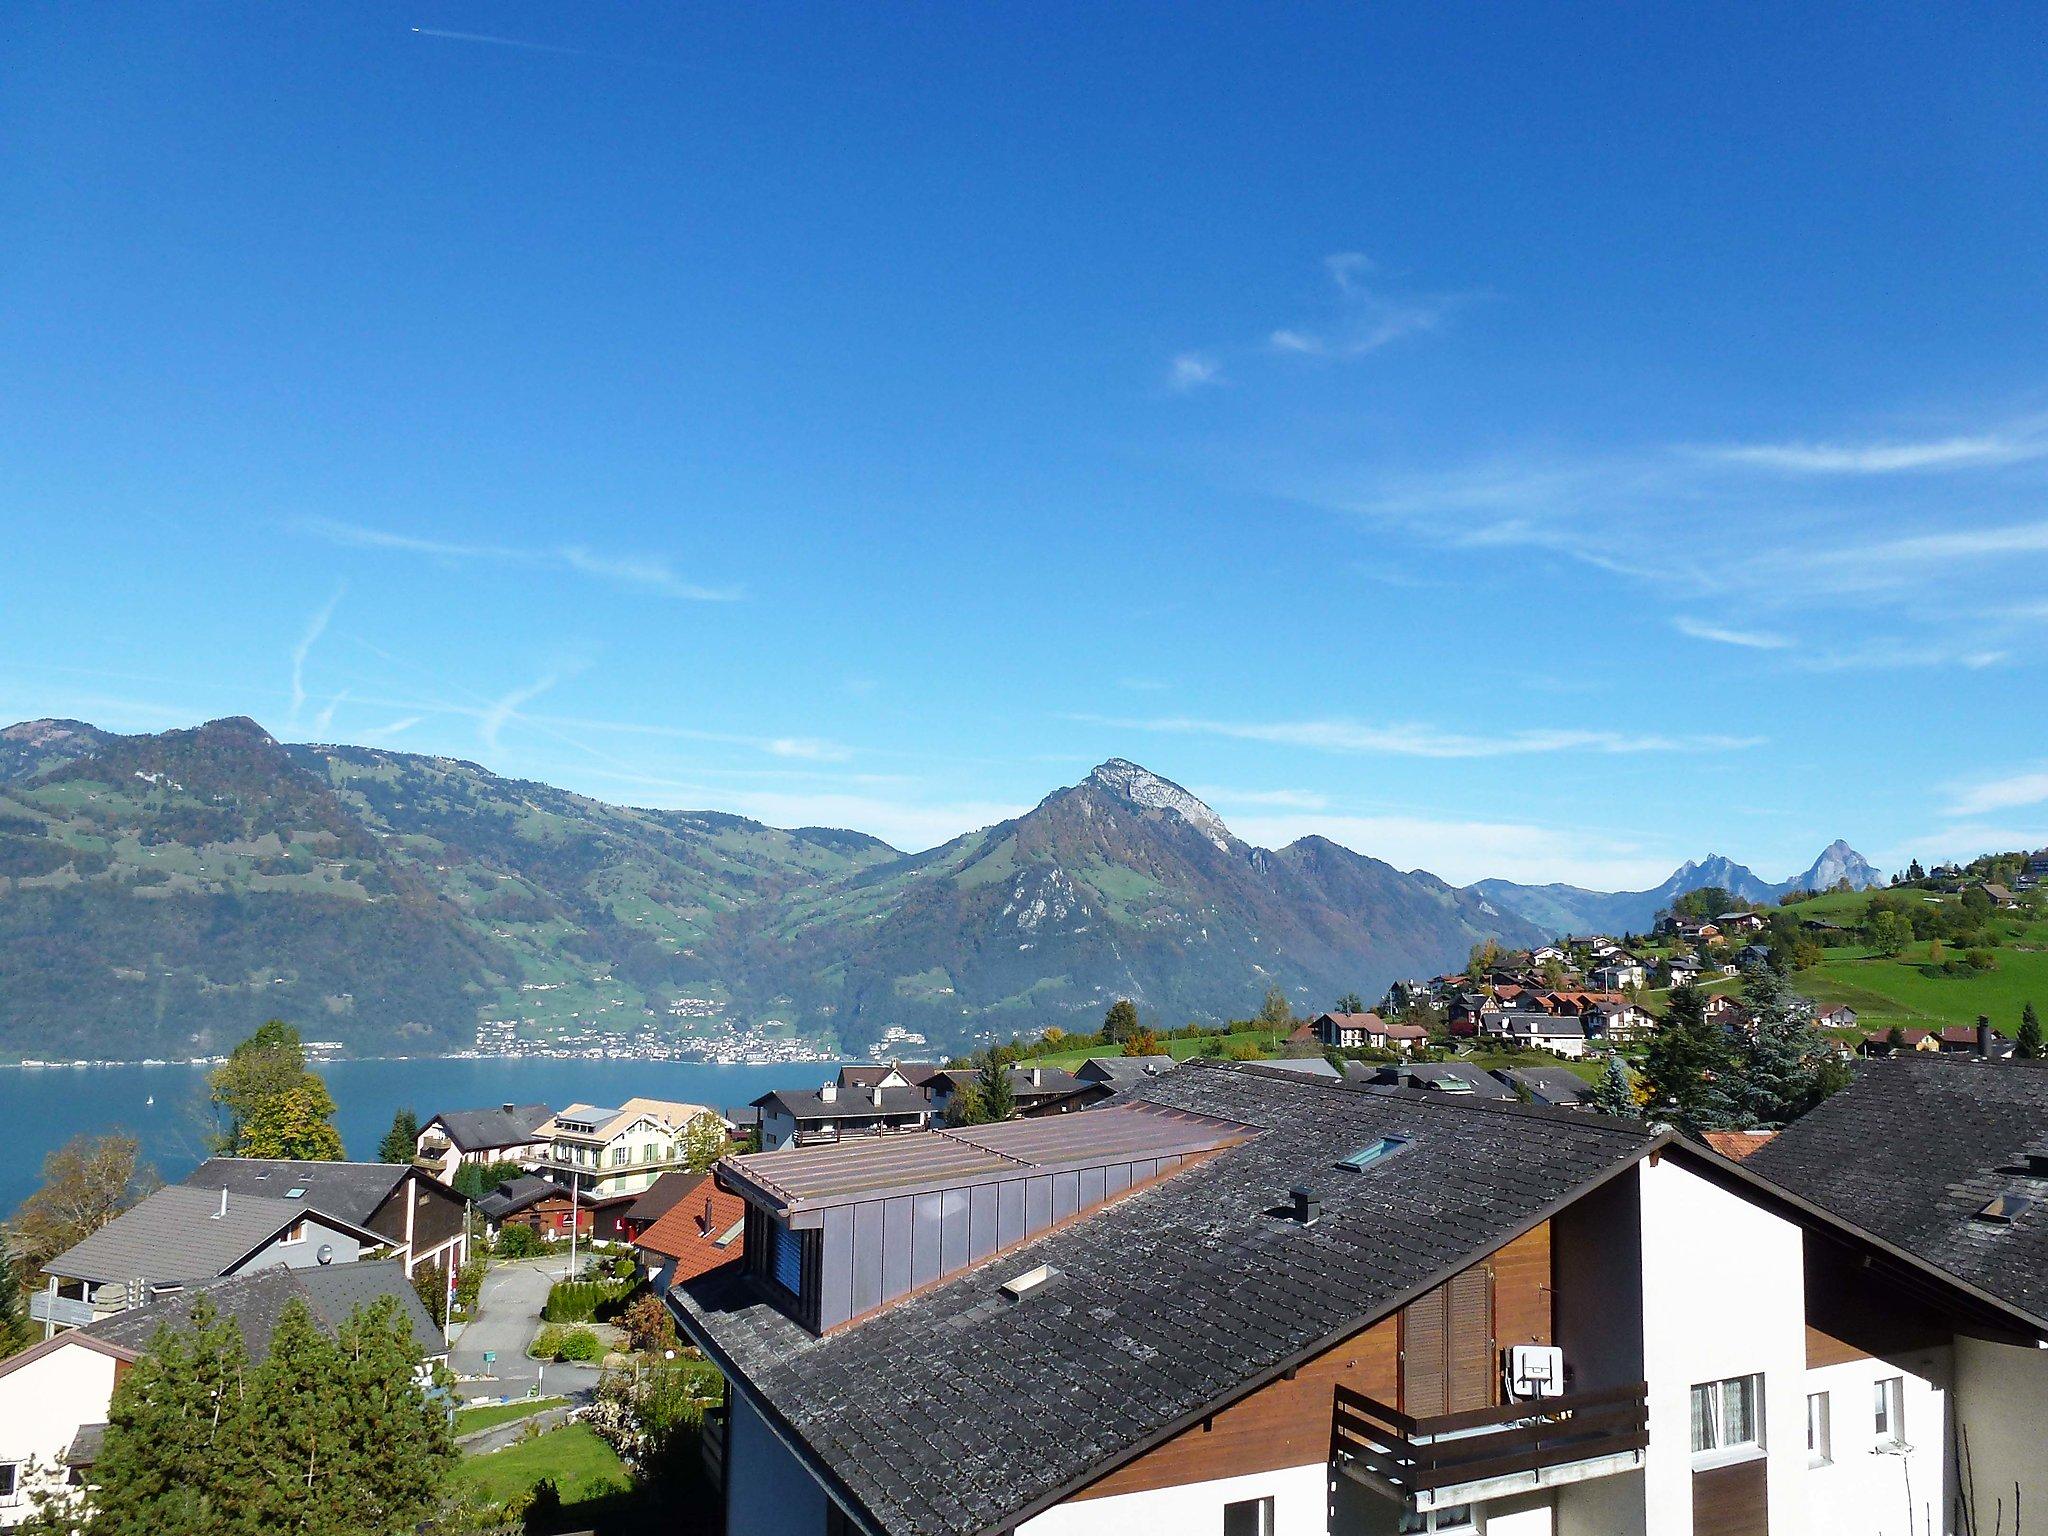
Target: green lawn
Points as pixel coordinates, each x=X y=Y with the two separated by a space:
x=1589 y=1069
x=1179 y=1050
x=469 y=1420
x=582 y=1466
x=1909 y=991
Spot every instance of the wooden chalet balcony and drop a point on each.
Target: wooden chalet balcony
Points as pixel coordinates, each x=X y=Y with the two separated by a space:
x=1455 y=1458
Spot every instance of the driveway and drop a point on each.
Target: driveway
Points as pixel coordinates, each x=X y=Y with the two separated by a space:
x=507 y=1318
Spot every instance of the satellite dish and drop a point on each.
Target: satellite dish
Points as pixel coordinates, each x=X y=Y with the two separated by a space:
x=326 y=1253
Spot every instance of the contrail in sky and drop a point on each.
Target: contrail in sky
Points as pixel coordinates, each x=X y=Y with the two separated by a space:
x=500 y=42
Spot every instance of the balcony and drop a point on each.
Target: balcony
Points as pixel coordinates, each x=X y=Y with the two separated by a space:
x=1461 y=1458
x=61 y=1311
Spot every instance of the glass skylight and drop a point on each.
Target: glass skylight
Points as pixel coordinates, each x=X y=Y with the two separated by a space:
x=1375 y=1153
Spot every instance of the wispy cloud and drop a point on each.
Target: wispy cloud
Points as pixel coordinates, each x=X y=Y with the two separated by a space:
x=1369 y=314
x=1747 y=639
x=493 y=41
x=1360 y=738
x=1192 y=371
x=323 y=721
x=1281 y=799
x=2003 y=794
x=504 y=709
x=315 y=628
x=386 y=732
x=642 y=572
x=1968 y=452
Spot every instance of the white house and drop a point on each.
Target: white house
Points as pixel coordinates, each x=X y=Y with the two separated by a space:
x=1622 y=973
x=510 y=1133
x=1403 y=1312
x=609 y=1153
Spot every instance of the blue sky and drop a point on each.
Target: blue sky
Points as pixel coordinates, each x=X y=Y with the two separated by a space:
x=1547 y=443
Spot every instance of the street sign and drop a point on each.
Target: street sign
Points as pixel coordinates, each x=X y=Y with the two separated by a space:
x=490 y=1357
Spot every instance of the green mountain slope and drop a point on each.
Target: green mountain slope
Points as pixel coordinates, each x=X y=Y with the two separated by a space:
x=160 y=894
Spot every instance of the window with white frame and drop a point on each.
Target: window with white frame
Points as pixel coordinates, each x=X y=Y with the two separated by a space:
x=1727 y=1416
x=10 y=1482
x=1889 y=1409
x=1249 y=1517
x=1819 y=1434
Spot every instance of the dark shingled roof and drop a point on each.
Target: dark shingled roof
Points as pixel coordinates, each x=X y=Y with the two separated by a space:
x=1123 y=1071
x=1914 y=1147
x=1547 y=1085
x=1164 y=1304
x=515 y=1195
x=178 y=1233
x=662 y=1196
x=846 y=1103
x=257 y=1300
x=352 y=1191
x=478 y=1130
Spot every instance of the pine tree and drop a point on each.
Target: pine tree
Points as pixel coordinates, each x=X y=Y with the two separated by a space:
x=1615 y=1093
x=1691 y=1066
x=2028 y=1047
x=993 y=1085
x=164 y=1467
x=400 y=1447
x=294 y=1452
x=402 y=1140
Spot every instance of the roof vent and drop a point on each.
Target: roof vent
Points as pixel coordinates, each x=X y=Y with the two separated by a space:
x=1020 y=1286
x=2037 y=1160
x=877 y=1091
x=828 y=1094
x=2005 y=1208
x=1308 y=1205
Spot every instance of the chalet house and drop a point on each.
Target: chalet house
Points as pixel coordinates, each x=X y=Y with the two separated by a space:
x=182 y=1236
x=1347 y=1031
x=611 y=1155
x=1950 y=1040
x=54 y=1396
x=1723 y=1009
x=1037 y=1090
x=1405 y=1312
x=1545 y=953
x=702 y=1230
x=809 y=1117
x=1740 y=922
x=2001 y=896
x=1465 y=1012
x=1624 y=973
x=420 y=1219
x=549 y=1209
x=661 y=1197
x=902 y=1074
x=1621 y=1023
x=1835 y=1016
x=1458 y=1078
x=511 y=1133
x=1534 y=1027
x=2035 y=871
x=1404 y=995
x=1962 y=1188
x=1681 y=970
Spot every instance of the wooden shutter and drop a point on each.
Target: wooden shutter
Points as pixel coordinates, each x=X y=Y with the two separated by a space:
x=1425 y=1361
x=1470 y=1373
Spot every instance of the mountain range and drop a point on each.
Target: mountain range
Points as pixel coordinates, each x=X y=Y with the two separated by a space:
x=160 y=894
x=1561 y=909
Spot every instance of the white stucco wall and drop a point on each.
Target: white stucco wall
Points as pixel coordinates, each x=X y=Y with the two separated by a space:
x=305 y=1254
x=1723 y=1295
x=1300 y=1507
x=1868 y=1488
x=771 y=1493
x=42 y=1405
x=2001 y=1407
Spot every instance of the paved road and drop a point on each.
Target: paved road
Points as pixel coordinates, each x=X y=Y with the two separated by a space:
x=508 y=1316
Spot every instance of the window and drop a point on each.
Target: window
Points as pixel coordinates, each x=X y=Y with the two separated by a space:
x=1819 y=1437
x=10 y=1482
x=788 y=1259
x=620 y=1156
x=1889 y=1404
x=1248 y=1517
x=1727 y=1415
x=651 y=1153
x=295 y=1233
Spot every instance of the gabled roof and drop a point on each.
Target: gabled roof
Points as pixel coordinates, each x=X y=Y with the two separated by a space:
x=1457 y=1077
x=846 y=1103
x=181 y=1234
x=522 y=1193
x=660 y=1197
x=606 y=1122
x=1546 y=1085
x=701 y=1232
x=1161 y=1306
x=1123 y=1071
x=350 y=1191
x=1914 y=1148
x=257 y=1300
x=507 y=1125
x=1366 y=1021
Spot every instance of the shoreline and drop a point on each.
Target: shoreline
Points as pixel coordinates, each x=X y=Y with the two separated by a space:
x=33 y=1064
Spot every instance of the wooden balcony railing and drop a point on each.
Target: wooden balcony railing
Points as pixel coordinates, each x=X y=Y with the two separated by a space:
x=1421 y=1456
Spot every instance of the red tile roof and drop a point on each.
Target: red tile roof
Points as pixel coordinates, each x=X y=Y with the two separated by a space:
x=694 y=1232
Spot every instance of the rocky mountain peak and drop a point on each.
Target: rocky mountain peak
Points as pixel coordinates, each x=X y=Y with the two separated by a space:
x=1143 y=788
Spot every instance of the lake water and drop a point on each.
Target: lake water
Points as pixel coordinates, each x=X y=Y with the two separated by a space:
x=166 y=1106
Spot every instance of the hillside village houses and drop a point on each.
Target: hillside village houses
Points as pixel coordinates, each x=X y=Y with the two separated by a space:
x=1367 y=1309
x=509 y=1133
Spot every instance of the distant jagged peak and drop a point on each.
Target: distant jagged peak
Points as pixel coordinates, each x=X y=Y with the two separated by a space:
x=1142 y=787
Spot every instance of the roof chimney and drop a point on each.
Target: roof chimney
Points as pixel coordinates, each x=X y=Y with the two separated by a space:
x=1984 y=1035
x=223 y=1204
x=1308 y=1205
x=829 y=1094
x=1037 y=1077
x=508 y=1108
x=877 y=1092
x=704 y=1221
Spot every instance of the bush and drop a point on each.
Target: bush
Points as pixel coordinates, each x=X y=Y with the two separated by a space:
x=648 y=1324
x=586 y=1301
x=556 y=1342
x=519 y=1241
